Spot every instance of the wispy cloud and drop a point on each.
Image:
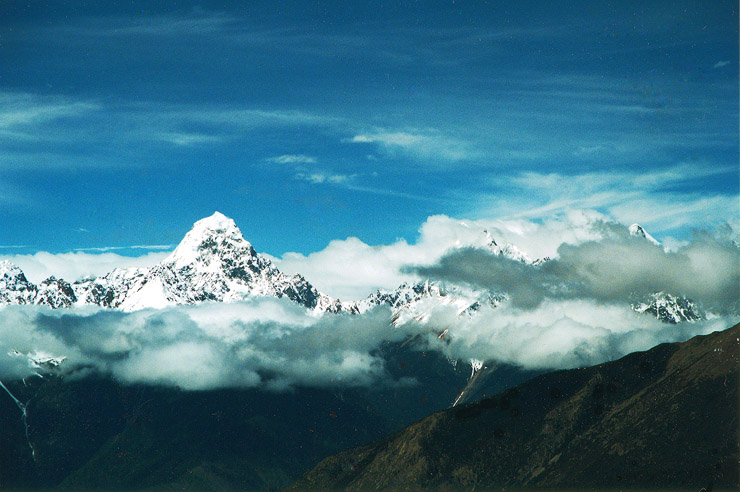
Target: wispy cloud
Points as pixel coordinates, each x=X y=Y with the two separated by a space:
x=429 y=145
x=655 y=198
x=322 y=177
x=136 y=246
x=18 y=109
x=350 y=182
x=721 y=63
x=187 y=139
x=91 y=262
x=196 y=22
x=292 y=159
x=61 y=132
x=28 y=118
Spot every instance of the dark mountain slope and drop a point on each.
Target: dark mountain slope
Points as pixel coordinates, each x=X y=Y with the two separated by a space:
x=95 y=433
x=665 y=418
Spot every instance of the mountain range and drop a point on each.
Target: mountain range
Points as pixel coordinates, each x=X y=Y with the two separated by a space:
x=84 y=429
x=214 y=263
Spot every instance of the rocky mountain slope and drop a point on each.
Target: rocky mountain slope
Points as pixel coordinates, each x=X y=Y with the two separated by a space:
x=666 y=418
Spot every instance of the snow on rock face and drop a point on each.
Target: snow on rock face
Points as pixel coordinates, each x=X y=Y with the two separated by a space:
x=206 y=239
x=669 y=308
x=213 y=262
x=55 y=293
x=638 y=231
x=508 y=250
x=14 y=286
x=417 y=301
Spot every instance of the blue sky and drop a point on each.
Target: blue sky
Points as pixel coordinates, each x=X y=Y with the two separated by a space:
x=122 y=124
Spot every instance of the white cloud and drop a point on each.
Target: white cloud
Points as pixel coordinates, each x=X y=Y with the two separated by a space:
x=263 y=342
x=429 y=144
x=619 y=269
x=77 y=265
x=292 y=159
x=351 y=269
x=321 y=177
x=275 y=344
x=19 y=111
x=187 y=139
x=561 y=334
x=721 y=63
x=653 y=198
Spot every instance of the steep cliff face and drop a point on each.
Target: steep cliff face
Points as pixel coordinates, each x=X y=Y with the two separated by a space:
x=666 y=418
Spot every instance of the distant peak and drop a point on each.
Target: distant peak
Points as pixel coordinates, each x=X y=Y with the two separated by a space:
x=638 y=231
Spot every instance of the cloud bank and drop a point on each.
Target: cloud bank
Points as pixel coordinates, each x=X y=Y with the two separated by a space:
x=275 y=345
x=268 y=343
x=619 y=269
x=558 y=334
x=352 y=269
x=77 y=265
x=573 y=310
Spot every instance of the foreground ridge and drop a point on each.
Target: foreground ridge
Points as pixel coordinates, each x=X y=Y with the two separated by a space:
x=665 y=418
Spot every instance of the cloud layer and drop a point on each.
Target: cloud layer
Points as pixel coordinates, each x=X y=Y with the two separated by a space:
x=265 y=342
x=78 y=265
x=352 y=269
x=618 y=269
x=275 y=345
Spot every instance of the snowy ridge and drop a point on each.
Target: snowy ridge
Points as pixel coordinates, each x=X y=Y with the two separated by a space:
x=417 y=301
x=14 y=286
x=212 y=263
x=508 y=250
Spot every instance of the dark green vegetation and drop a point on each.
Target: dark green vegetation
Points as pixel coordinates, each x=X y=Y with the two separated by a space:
x=662 y=419
x=94 y=433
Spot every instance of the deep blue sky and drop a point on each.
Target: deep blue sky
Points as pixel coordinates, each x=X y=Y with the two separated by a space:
x=121 y=123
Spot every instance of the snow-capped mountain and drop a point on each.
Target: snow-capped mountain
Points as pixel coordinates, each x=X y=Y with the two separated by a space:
x=508 y=250
x=663 y=305
x=415 y=301
x=638 y=231
x=669 y=308
x=212 y=263
x=14 y=286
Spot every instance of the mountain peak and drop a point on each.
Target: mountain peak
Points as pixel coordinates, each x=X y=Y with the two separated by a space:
x=217 y=221
x=8 y=269
x=638 y=231
x=216 y=232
